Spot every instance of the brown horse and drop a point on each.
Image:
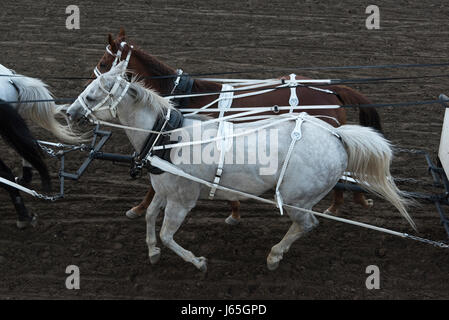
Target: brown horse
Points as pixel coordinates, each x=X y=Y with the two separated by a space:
x=147 y=67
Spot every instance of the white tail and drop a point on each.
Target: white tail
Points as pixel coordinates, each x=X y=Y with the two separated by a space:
x=369 y=159
x=42 y=113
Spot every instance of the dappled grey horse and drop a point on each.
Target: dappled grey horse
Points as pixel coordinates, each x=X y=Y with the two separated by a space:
x=310 y=155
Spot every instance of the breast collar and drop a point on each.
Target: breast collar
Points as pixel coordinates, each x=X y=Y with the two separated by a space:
x=182 y=85
x=175 y=121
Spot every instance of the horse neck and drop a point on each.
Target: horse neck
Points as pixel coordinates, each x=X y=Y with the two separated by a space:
x=137 y=115
x=148 y=66
x=202 y=86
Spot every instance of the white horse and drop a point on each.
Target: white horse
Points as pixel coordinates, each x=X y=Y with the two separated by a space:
x=15 y=87
x=317 y=161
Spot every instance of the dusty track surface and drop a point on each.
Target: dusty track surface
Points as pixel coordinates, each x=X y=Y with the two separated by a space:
x=88 y=228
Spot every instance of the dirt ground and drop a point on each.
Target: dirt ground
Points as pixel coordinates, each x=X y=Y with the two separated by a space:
x=88 y=228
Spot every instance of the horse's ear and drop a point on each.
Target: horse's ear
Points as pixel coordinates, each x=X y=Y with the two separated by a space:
x=111 y=42
x=121 y=33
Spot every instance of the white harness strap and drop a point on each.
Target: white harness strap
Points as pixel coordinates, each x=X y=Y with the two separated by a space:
x=117 y=57
x=179 y=72
x=224 y=104
x=296 y=135
x=225 y=130
x=112 y=106
x=294 y=101
x=18 y=187
x=223 y=145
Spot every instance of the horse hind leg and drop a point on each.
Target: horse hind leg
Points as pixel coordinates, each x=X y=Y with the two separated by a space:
x=359 y=198
x=337 y=202
x=174 y=216
x=302 y=224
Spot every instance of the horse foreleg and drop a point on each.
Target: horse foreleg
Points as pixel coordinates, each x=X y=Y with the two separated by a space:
x=174 y=216
x=152 y=213
x=337 y=202
x=360 y=199
x=24 y=219
x=234 y=218
x=140 y=209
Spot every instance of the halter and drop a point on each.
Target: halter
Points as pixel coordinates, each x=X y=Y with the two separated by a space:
x=110 y=97
x=117 y=56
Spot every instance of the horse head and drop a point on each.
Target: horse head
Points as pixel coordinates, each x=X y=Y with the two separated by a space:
x=140 y=63
x=115 y=50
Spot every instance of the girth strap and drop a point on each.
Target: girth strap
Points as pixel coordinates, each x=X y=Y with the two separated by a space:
x=296 y=135
x=225 y=130
x=162 y=124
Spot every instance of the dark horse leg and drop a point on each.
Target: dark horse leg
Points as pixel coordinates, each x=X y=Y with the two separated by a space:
x=27 y=174
x=141 y=208
x=234 y=218
x=337 y=202
x=17 y=134
x=24 y=219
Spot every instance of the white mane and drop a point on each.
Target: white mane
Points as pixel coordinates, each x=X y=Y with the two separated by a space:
x=32 y=91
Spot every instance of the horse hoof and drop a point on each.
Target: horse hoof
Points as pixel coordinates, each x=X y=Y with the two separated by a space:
x=327 y=211
x=272 y=265
x=232 y=221
x=131 y=214
x=202 y=266
x=154 y=258
x=273 y=261
x=25 y=224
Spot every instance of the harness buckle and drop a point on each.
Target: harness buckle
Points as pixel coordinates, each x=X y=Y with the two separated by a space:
x=296 y=133
x=167 y=117
x=179 y=72
x=293 y=101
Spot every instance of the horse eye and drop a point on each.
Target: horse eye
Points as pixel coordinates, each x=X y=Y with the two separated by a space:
x=103 y=65
x=89 y=98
